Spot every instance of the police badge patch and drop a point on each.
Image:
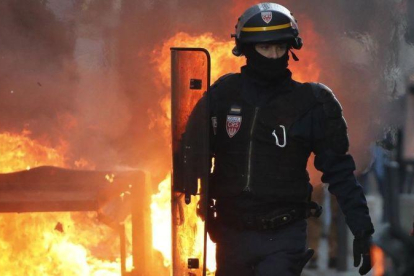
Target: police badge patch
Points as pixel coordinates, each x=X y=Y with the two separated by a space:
x=233 y=125
x=267 y=17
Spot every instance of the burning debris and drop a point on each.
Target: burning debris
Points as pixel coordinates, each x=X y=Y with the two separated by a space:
x=59 y=227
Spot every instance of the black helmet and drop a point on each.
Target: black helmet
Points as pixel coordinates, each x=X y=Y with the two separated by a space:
x=266 y=22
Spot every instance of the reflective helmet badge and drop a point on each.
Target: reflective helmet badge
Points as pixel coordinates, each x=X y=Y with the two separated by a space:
x=267 y=17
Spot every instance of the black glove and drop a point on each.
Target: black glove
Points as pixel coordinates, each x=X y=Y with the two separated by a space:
x=362 y=246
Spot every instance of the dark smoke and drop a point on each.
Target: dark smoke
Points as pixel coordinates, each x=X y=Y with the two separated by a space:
x=88 y=61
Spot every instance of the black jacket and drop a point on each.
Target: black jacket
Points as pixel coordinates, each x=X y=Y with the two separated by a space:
x=252 y=171
x=254 y=151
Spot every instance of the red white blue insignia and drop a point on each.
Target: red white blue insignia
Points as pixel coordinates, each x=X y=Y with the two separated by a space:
x=267 y=17
x=233 y=125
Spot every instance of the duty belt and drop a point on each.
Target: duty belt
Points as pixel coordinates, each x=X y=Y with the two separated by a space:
x=271 y=220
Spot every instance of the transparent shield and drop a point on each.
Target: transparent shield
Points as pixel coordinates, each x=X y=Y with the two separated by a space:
x=190 y=77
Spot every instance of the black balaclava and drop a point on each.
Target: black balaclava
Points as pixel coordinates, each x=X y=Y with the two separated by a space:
x=265 y=69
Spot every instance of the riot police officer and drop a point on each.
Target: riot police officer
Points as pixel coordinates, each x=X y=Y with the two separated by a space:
x=264 y=127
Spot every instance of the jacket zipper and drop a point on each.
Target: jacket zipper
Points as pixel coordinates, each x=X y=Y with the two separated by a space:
x=247 y=188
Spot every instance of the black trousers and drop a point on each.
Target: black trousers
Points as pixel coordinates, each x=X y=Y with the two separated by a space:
x=261 y=253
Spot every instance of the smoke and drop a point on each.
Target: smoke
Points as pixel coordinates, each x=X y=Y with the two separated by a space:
x=59 y=78
x=80 y=71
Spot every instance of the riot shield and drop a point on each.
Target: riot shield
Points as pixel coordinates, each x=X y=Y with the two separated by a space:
x=190 y=79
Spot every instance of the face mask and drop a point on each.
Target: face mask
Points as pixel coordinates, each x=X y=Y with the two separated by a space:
x=261 y=67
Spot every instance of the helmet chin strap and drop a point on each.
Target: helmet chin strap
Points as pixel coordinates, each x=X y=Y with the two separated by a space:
x=294 y=56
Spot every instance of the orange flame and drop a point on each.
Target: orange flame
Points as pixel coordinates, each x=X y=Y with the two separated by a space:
x=50 y=243
x=161 y=219
x=19 y=152
x=378 y=258
x=308 y=67
x=222 y=60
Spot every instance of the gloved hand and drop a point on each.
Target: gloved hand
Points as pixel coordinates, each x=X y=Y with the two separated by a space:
x=362 y=248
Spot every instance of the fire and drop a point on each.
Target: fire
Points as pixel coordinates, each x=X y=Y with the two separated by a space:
x=222 y=60
x=308 y=67
x=211 y=255
x=379 y=260
x=19 y=152
x=161 y=219
x=50 y=243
